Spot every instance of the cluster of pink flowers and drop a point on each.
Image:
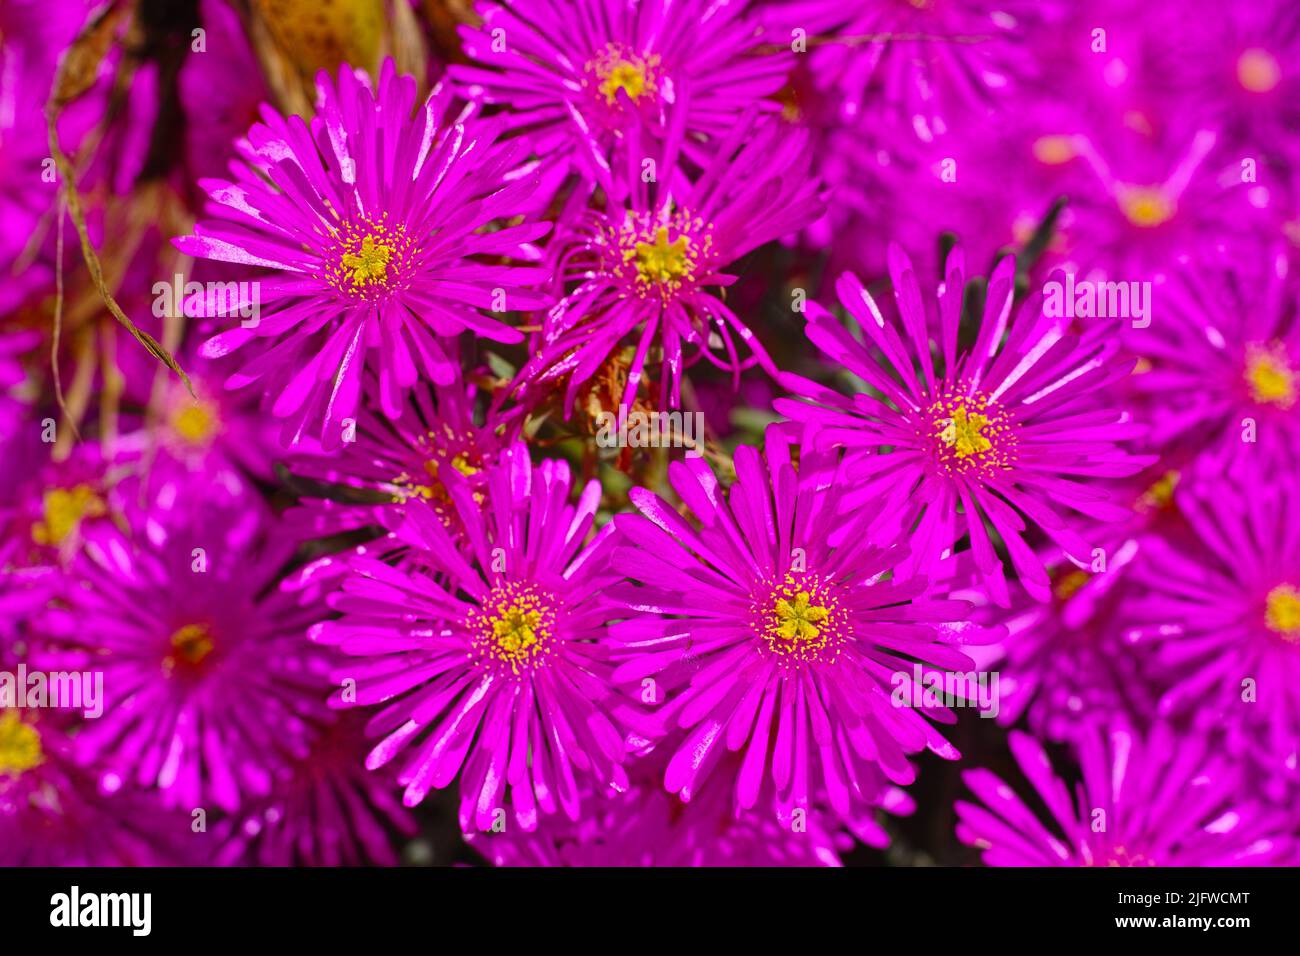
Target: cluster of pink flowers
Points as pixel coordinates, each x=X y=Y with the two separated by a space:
x=651 y=432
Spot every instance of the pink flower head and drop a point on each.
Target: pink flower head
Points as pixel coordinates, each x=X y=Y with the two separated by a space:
x=1062 y=665
x=578 y=74
x=649 y=273
x=324 y=810
x=1222 y=612
x=773 y=642
x=1164 y=799
x=918 y=63
x=489 y=658
x=648 y=826
x=52 y=815
x=999 y=432
x=375 y=220
x=209 y=680
x=1220 y=369
x=1141 y=198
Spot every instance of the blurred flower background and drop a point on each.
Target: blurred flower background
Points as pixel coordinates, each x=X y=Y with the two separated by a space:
x=649 y=432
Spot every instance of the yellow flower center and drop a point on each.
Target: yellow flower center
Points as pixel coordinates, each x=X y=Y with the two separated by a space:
x=63 y=510
x=970 y=434
x=461 y=464
x=1161 y=493
x=1282 y=612
x=627 y=77
x=1270 y=376
x=618 y=69
x=662 y=261
x=195 y=422
x=1258 y=70
x=516 y=629
x=1054 y=150
x=20 y=745
x=1146 y=206
x=515 y=626
x=370 y=264
x=964 y=433
x=191 y=644
x=1070 y=584
x=797 y=620
x=799 y=617
x=369 y=259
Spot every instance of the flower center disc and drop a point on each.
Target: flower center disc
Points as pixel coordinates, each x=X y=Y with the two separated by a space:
x=799 y=617
x=190 y=645
x=1258 y=71
x=63 y=510
x=515 y=627
x=194 y=422
x=370 y=260
x=20 y=745
x=653 y=255
x=1146 y=206
x=1282 y=612
x=1269 y=375
x=619 y=69
x=971 y=435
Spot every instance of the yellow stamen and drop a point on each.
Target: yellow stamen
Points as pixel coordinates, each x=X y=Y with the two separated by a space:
x=1161 y=493
x=797 y=621
x=515 y=626
x=461 y=464
x=192 y=643
x=371 y=264
x=618 y=69
x=1269 y=374
x=1054 y=150
x=1146 y=206
x=1258 y=71
x=516 y=629
x=63 y=510
x=194 y=421
x=1282 y=612
x=663 y=261
x=1120 y=856
x=963 y=433
x=627 y=77
x=1070 y=584
x=20 y=745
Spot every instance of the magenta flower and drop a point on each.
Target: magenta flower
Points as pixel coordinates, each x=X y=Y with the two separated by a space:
x=325 y=810
x=918 y=63
x=56 y=504
x=996 y=433
x=1166 y=799
x=648 y=826
x=1221 y=361
x=1139 y=200
x=490 y=659
x=650 y=273
x=209 y=680
x=1062 y=665
x=771 y=641
x=1236 y=64
x=578 y=74
x=51 y=814
x=379 y=220
x=1222 y=611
